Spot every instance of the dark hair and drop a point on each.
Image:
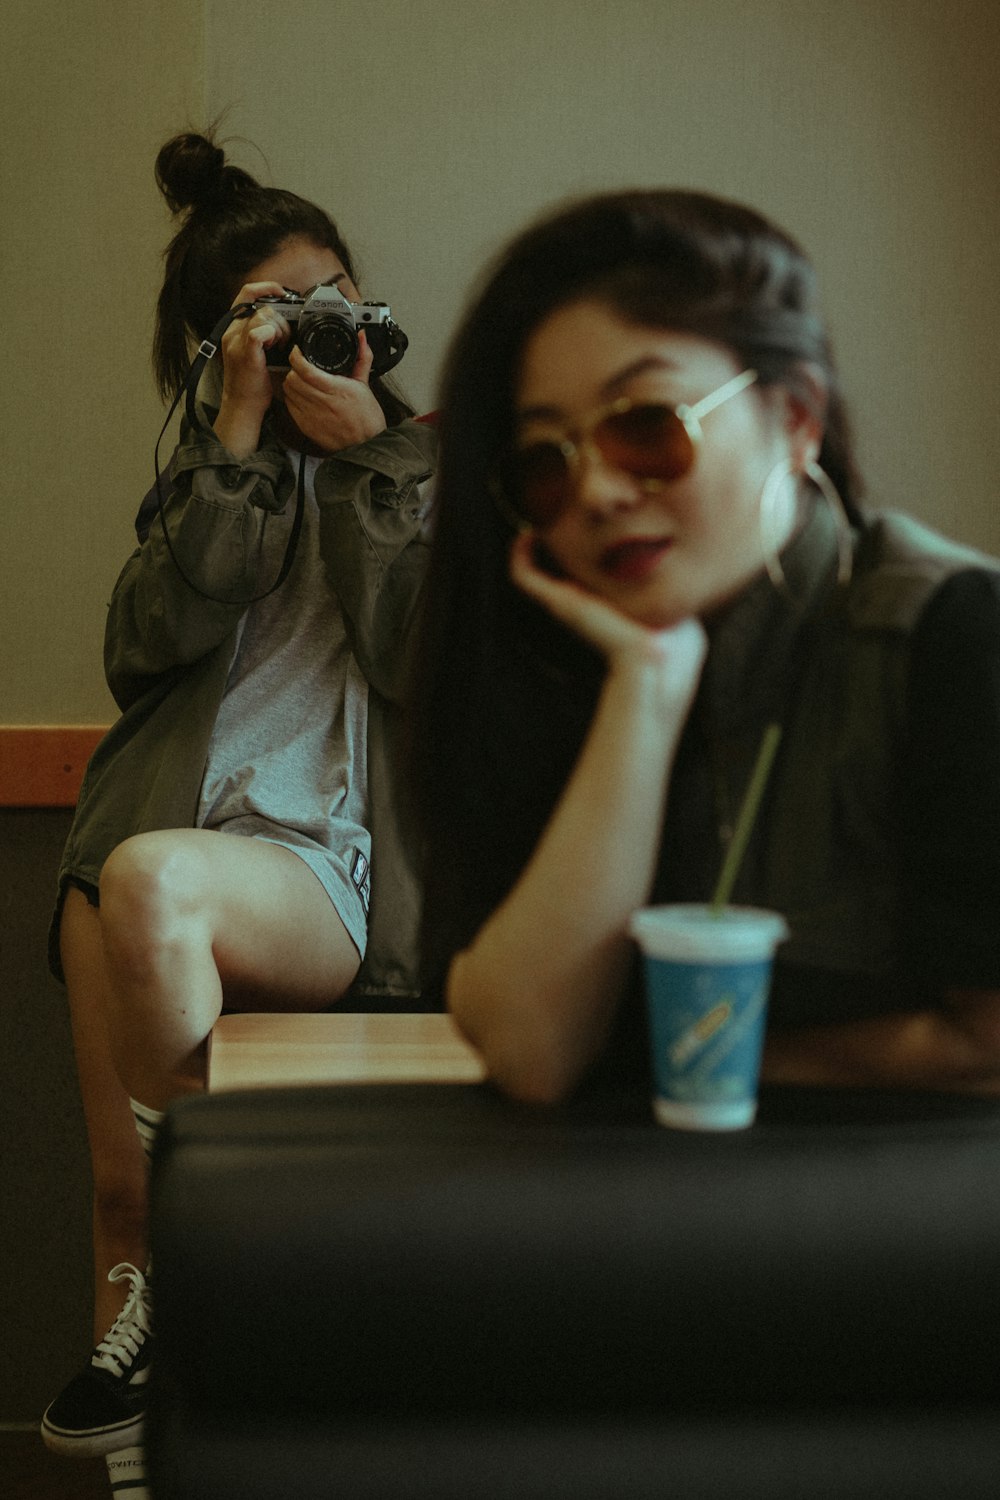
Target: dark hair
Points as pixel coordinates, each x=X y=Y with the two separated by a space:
x=491 y=747
x=230 y=224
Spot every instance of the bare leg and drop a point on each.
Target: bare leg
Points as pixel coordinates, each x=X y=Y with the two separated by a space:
x=185 y=917
x=118 y=1163
x=189 y=915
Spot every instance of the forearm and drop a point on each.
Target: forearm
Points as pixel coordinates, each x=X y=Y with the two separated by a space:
x=237 y=429
x=537 y=989
x=375 y=544
x=167 y=609
x=955 y=1048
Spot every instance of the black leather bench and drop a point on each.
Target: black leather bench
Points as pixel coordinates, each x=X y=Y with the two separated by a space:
x=428 y=1292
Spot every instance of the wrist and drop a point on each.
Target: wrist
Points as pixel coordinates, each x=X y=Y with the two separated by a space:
x=659 y=671
x=337 y=437
x=238 y=429
x=642 y=692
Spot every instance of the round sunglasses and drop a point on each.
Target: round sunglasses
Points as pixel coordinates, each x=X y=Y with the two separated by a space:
x=651 y=440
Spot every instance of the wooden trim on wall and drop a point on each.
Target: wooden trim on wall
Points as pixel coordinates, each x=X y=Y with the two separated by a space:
x=42 y=765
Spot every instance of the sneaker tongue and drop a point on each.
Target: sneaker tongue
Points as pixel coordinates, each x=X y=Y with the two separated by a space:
x=120 y=1345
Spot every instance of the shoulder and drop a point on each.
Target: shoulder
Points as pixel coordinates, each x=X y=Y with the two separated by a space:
x=915 y=647
x=954 y=674
x=900 y=567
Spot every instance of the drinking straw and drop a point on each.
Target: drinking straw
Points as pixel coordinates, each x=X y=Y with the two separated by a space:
x=747 y=815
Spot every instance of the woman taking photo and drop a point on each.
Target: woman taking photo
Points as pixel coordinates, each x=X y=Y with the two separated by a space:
x=235 y=842
x=648 y=549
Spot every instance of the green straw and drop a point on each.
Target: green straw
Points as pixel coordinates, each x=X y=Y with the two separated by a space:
x=745 y=821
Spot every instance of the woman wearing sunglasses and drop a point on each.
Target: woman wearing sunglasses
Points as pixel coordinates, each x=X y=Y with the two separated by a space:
x=648 y=550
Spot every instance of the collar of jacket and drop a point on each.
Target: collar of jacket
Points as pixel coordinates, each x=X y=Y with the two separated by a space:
x=757 y=642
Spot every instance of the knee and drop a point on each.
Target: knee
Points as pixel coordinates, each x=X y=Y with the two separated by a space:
x=149 y=893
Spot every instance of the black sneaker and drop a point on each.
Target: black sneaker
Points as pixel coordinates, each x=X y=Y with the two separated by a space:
x=102 y=1408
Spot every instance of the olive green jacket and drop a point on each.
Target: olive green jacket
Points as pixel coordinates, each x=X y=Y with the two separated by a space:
x=833 y=667
x=168 y=651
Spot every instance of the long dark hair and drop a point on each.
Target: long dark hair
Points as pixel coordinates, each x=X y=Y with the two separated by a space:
x=230 y=223
x=504 y=694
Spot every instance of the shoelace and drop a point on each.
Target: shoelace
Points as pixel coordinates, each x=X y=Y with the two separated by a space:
x=120 y=1345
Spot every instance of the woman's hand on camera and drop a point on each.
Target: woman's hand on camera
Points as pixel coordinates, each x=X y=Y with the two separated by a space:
x=247 y=388
x=674 y=655
x=333 y=411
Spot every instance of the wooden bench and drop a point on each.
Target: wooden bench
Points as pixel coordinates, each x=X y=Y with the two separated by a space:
x=255 y=1050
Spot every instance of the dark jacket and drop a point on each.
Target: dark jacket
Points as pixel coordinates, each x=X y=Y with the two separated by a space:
x=168 y=651
x=881 y=801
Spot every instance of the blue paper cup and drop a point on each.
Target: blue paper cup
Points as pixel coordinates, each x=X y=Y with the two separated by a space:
x=707 y=980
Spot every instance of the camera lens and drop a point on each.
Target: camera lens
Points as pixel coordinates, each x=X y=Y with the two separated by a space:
x=330 y=343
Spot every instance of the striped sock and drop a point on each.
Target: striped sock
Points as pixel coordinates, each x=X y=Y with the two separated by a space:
x=147 y=1123
x=127 y=1473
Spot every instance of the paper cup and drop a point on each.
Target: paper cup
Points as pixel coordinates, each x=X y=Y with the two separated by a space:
x=707 y=981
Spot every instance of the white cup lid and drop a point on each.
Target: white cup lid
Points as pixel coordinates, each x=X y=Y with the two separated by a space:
x=696 y=934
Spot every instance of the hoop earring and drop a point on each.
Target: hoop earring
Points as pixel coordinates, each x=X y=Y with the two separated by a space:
x=845 y=539
x=768 y=518
x=773 y=485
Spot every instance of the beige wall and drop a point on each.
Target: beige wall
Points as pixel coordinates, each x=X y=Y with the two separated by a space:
x=89 y=91
x=433 y=129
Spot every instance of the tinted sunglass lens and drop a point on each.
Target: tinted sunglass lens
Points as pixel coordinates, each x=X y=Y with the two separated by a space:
x=541 y=476
x=647 y=440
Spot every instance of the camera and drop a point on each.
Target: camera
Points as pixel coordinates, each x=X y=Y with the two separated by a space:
x=325 y=326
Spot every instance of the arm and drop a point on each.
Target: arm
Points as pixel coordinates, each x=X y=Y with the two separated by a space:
x=373 y=519
x=953 y=1047
x=182 y=593
x=215 y=514
x=222 y=485
x=537 y=989
x=950 y=859
x=375 y=543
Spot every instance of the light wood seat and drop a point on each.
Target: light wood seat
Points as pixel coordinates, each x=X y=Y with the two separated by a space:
x=258 y=1050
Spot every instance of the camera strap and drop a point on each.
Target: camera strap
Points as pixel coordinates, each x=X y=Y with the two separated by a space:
x=394 y=351
x=206 y=351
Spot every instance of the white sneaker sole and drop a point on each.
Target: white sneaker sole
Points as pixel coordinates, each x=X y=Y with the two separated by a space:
x=92 y=1444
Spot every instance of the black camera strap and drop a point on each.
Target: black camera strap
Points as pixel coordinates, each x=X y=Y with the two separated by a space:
x=206 y=351
x=394 y=350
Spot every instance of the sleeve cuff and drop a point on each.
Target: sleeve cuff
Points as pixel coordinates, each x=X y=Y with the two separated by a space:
x=400 y=455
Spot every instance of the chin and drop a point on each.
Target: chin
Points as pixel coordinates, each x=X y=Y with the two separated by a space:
x=662 y=619
x=660 y=600
x=655 y=614
x=652 y=606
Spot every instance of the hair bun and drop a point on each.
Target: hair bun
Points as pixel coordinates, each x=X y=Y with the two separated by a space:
x=191 y=173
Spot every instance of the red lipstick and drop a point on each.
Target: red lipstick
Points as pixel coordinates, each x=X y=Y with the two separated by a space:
x=635 y=558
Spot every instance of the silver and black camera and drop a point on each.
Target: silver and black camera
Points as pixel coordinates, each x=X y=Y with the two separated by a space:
x=325 y=327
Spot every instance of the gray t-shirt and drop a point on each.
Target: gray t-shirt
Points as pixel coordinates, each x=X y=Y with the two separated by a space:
x=287 y=760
